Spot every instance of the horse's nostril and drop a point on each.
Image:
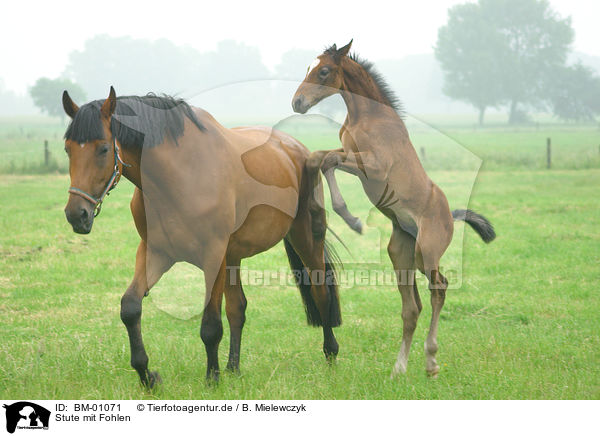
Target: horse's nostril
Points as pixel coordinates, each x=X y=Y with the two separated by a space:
x=298 y=103
x=84 y=214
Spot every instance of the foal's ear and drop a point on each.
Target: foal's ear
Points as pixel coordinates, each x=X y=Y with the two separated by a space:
x=110 y=104
x=345 y=49
x=68 y=105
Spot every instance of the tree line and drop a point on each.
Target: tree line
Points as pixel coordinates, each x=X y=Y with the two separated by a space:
x=513 y=53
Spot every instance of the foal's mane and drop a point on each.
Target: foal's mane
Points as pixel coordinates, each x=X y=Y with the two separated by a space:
x=137 y=121
x=389 y=96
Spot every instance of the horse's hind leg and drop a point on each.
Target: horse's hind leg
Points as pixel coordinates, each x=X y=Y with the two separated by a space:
x=433 y=239
x=310 y=248
x=235 y=307
x=401 y=250
x=149 y=267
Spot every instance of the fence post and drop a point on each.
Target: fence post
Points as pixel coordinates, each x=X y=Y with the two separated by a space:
x=423 y=153
x=548 y=153
x=46 y=152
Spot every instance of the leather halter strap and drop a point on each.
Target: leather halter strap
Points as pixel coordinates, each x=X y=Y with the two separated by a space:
x=112 y=183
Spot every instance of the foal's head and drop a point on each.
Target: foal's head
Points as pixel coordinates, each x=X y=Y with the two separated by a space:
x=325 y=77
x=92 y=158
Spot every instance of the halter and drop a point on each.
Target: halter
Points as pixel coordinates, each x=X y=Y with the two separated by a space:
x=112 y=183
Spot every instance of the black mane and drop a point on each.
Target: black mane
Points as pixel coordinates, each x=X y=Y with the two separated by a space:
x=386 y=91
x=136 y=122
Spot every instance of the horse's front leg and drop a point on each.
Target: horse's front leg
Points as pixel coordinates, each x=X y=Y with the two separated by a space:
x=313 y=165
x=235 y=307
x=149 y=267
x=362 y=164
x=211 y=329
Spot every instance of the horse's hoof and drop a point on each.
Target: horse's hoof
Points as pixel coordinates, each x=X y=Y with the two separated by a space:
x=433 y=373
x=398 y=369
x=154 y=379
x=357 y=226
x=212 y=378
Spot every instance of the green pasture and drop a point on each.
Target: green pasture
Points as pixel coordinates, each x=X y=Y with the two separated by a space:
x=521 y=321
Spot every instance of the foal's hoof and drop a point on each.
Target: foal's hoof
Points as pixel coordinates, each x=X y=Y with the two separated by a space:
x=357 y=226
x=433 y=373
x=397 y=370
x=154 y=379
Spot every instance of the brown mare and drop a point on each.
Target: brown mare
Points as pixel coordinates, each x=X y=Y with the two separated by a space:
x=377 y=149
x=206 y=195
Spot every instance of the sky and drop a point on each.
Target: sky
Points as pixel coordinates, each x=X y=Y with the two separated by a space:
x=37 y=37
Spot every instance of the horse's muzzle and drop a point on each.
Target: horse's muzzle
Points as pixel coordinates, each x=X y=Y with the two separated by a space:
x=300 y=105
x=81 y=218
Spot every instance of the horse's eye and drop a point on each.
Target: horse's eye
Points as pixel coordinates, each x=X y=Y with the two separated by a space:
x=323 y=72
x=103 y=149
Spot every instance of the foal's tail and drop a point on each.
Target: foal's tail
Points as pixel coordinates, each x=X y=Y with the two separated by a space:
x=478 y=222
x=303 y=281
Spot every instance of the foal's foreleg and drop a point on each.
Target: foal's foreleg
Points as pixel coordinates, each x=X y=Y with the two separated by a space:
x=149 y=267
x=313 y=165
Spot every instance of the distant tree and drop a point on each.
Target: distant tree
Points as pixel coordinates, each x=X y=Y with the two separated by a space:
x=503 y=51
x=47 y=95
x=467 y=52
x=575 y=94
x=139 y=66
x=294 y=64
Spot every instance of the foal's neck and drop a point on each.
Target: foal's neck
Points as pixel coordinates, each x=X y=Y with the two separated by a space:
x=361 y=94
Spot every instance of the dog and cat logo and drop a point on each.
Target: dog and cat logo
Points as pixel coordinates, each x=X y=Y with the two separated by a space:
x=26 y=415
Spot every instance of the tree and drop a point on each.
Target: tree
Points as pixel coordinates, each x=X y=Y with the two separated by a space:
x=47 y=93
x=466 y=50
x=503 y=51
x=139 y=66
x=575 y=94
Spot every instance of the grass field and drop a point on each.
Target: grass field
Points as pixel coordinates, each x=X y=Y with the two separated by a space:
x=523 y=324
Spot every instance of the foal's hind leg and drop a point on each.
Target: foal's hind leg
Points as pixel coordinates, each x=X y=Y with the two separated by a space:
x=434 y=237
x=149 y=267
x=401 y=250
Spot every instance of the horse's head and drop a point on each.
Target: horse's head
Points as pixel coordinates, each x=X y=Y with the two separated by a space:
x=92 y=159
x=324 y=78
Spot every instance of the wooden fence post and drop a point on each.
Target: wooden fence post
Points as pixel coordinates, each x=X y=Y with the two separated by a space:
x=46 y=152
x=548 y=153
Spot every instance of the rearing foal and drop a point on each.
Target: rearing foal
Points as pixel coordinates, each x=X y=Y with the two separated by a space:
x=377 y=149
x=206 y=195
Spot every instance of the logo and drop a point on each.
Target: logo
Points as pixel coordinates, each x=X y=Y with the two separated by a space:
x=26 y=415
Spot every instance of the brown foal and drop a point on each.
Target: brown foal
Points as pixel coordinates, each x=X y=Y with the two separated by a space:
x=376 y=148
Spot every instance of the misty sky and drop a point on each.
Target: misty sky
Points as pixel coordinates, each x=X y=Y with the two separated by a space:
x=36 y=37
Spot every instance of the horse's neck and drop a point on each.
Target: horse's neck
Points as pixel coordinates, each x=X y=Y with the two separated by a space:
x=361 y=95
x=132 y=172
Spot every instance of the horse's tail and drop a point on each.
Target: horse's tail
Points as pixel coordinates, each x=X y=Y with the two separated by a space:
x=478 y=222
x=303 y=281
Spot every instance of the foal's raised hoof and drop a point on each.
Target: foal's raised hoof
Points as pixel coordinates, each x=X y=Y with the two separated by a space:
x=356 y=226
x=154 y=379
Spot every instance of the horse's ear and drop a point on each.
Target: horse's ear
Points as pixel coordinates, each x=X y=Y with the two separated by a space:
x=110 y=104
x=345 y=49
x=68 y=105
